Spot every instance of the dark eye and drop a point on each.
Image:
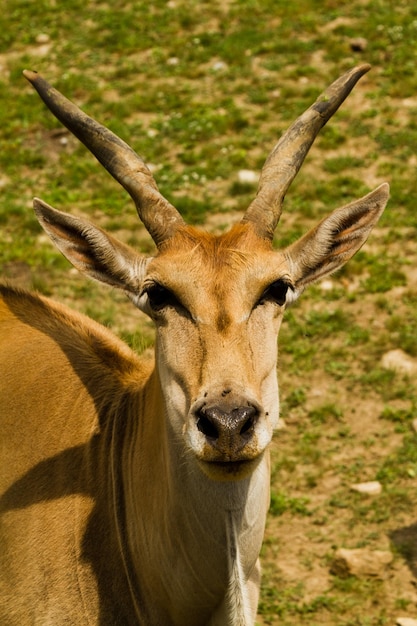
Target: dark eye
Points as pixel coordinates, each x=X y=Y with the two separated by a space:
x=159 y=297
x=276 y=292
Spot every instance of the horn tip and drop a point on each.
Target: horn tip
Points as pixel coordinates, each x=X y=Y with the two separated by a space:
x=30 y=75
x=360 y=70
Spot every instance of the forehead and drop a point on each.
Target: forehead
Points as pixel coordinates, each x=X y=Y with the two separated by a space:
x=237 y=257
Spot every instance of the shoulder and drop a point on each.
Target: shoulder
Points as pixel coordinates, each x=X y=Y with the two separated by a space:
x=29 y=313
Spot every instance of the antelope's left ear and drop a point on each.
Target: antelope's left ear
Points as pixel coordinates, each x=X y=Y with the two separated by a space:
x=335 y=240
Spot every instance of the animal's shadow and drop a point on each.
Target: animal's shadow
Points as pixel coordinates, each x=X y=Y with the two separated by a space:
x=405 y=541
x=99 y=543
x=84 y=469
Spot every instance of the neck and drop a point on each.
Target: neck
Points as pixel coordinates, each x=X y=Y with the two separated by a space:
x=196 y=536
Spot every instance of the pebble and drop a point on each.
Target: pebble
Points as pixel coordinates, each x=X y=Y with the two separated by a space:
x=371 y=488
x=361 y=562
x=326 y=285
x=358 y=44
x=399 y=361
x=248 y=176
x=219 y=66
x=42 y=38
x=406 y=621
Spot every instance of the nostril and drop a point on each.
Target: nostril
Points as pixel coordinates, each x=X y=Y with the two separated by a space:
x=248 y=419
x=206 y=426
x=227 y=428
x=247 y=426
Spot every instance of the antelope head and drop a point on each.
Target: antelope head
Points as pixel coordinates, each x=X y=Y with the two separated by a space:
x=217 y=301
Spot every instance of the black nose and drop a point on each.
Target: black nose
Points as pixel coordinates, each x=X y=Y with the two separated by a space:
x=227 y=429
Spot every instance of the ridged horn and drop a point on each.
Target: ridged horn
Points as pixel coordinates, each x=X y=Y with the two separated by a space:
x=159 y=217
x=286 y=158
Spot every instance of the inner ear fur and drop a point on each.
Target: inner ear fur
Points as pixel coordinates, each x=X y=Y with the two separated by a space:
x=91 y=250
x=328 y=246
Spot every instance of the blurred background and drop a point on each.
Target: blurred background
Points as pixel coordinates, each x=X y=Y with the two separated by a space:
x=203 y=90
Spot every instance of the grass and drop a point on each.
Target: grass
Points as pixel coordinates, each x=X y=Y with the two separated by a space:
x=203 y=90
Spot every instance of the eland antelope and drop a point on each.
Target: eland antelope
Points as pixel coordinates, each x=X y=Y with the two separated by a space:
x=135 y=491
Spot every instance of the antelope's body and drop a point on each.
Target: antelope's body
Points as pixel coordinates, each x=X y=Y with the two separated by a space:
x=91 y=490
x=135 y=492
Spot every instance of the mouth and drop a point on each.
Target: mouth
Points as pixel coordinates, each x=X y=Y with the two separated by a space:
x=229 y=470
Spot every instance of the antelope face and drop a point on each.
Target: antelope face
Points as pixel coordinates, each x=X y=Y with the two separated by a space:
x=217 y=301
x=218 y=304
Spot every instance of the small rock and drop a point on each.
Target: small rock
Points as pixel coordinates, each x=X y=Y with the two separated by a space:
x=219 y=66
x=399 y=361
x=371 y=488
x=42 y=38
x=362 y=563
x=414 y=424
x=326 y=285
x=358 y=44
x=406 y=621
x=248 y=177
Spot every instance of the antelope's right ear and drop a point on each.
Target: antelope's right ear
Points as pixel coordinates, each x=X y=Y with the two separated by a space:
x=328 y=246
x=91 y=250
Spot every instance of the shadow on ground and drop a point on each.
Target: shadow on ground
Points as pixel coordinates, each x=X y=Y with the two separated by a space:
x=405 y=541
